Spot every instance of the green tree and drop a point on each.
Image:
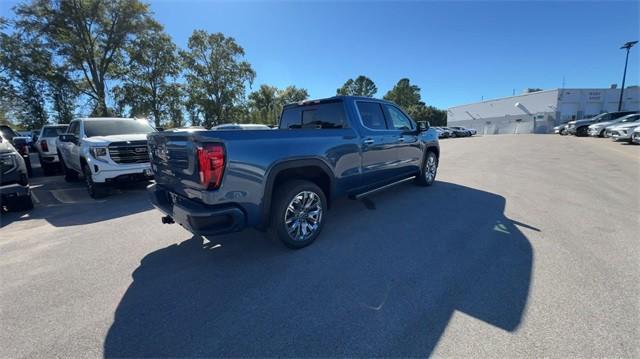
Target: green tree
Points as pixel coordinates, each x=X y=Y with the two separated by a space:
x=22 y=63
x=175 y=97
x=404 y=94
x=292 y=94
x=361 y=86
x=217 y=76
x=89 y=37
x=152 y=67
x=408 y=97
x=263 y=104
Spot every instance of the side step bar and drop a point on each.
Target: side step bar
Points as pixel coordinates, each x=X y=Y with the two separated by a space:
x=364 y=194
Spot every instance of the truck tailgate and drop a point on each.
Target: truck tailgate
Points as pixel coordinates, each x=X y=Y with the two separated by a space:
x=174 y=161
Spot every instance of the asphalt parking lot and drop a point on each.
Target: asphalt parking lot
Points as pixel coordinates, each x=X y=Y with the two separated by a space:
x=526 y=246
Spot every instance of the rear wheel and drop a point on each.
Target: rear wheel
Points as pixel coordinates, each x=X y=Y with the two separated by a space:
x=429 y=170
x=582 y=131
x=297 y=213
x=96 y=190
x=47 y=168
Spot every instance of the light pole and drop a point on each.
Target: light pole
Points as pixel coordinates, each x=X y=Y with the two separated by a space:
x=627 y=46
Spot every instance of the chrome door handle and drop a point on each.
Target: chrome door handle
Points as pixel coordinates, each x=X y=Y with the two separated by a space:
x=401 y=138
x=368 y=141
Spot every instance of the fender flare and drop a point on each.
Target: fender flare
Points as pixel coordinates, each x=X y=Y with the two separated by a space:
x=277 y=168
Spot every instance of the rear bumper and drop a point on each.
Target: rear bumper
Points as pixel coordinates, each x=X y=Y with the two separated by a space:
x=197 y=218
x=49 y=158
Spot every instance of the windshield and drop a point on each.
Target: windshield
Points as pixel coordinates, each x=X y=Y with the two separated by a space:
x=53 y=131
x=116 y=127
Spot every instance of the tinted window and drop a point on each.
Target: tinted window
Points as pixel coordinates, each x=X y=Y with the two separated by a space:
x=329 y=115
x=53 y=131
x=372 y=115
x=290 y=118
x=74 y=128
x=7 y=132
x=116 y=127
x=399 y=120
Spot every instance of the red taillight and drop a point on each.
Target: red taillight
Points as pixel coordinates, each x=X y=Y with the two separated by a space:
x=24 y=150
x=44 y=146
x=211 y=161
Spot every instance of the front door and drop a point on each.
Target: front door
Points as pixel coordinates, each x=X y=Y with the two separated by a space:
x=407 y=145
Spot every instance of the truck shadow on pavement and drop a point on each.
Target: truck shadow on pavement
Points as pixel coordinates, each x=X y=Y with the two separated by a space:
x=68 y=204
x=382 y=280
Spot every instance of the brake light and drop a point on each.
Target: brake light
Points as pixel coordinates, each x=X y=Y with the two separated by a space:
x=24 y=150
x=44 y=146
x=211 y=160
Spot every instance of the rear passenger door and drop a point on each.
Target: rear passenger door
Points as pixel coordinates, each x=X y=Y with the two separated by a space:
x=379 y=157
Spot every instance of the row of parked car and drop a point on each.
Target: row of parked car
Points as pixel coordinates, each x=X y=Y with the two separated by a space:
x=454 y=131
x=620 y=126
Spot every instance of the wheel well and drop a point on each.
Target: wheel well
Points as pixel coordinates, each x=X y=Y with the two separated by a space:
x=435 y=150
x=313 y=174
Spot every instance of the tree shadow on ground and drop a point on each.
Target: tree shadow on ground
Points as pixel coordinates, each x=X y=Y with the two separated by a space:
x=383 y=280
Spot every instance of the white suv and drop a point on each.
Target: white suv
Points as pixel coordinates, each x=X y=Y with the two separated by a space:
x=105 y=150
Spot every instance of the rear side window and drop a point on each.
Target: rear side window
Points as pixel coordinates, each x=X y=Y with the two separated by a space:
x=372 y=115
x=323 y=116
x=53 y=131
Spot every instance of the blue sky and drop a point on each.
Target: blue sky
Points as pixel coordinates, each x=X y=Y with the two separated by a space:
x=457 y=52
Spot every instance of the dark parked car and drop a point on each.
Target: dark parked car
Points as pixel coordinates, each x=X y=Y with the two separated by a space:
x=457 y=132
x=15 y=194
x=22 y=144
x=213 y=182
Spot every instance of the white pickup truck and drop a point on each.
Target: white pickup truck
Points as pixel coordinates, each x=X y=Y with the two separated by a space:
x=105 y=151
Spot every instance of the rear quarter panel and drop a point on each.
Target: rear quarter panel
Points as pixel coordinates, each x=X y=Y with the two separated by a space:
x=252 y=155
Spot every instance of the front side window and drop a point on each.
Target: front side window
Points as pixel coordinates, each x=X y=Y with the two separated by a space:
x=116 y=127
x=372 y=115
x=74 y=128
x=398 y=119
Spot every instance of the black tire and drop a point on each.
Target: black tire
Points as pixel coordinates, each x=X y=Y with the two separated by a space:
x=96 y=190
x=69 y=174
x=47 y=169
x=582 y=131
x=453 y=135
x=601 y=134
x=20 y=204
x=428 y=172
x=284 y=196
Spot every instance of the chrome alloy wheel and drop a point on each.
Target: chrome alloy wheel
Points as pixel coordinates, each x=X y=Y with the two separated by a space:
x=303 y=215
x=430 y=168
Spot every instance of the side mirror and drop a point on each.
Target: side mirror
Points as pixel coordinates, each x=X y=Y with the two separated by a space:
x=423 y=126
x=67 y=137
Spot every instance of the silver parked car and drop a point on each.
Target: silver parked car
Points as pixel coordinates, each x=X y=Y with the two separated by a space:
x=622 y=132
x=599 y=129
x=635 y=136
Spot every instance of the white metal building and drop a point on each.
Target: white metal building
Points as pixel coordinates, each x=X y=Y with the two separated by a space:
x=538 y=112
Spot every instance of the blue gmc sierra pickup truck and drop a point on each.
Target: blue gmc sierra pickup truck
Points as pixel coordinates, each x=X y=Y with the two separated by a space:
x=283 y=180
